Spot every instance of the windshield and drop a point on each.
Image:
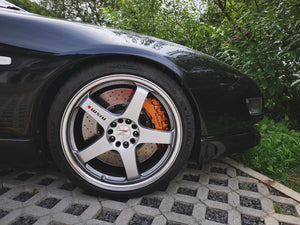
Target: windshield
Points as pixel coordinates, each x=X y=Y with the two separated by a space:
x=8 y=5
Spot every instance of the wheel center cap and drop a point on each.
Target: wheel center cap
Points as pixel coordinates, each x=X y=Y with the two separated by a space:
x=123 y=132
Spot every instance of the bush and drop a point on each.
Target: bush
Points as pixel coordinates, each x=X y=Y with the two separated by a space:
x=277 y=155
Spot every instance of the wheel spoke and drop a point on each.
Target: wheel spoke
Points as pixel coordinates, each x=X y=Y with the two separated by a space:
x=101 y=115
x=155 y=136
x=130 y=163
x=136 y=104
x=99 y=147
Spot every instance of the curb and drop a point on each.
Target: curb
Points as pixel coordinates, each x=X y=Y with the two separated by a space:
x=276 y=185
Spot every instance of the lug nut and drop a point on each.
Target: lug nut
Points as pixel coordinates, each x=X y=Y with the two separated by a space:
x=113 y=124
x=112 y=138
x=110 y=131
x=132 y=140
x=120 y=120
x=136 y=134
x=134 y=126
x=118 y=144
x=125 y=144
x=128 y=121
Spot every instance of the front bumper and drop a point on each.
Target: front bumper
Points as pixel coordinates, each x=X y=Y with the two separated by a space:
x=213 y=146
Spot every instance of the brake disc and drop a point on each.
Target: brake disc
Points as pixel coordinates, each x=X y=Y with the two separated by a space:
x=117 y=98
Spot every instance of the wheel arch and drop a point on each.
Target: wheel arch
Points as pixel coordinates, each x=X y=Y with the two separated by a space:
x=64 y=74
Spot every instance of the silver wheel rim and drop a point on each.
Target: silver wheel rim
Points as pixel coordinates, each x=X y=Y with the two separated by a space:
x=81 y=159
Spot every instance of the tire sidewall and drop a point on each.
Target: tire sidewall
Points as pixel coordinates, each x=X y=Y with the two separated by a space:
x=86 y=75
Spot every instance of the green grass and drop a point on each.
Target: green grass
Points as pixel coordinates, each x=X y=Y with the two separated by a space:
x=278 y=155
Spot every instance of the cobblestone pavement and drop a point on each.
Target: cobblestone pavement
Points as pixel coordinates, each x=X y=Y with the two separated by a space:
x=216 y=194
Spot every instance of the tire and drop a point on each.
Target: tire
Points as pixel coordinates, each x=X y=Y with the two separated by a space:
x=120 y=129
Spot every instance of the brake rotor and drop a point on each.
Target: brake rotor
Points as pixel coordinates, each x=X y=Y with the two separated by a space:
x=153 y=113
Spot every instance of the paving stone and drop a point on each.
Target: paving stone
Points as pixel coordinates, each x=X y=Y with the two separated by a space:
x=199 y=212
x=271 y=221
x=217 y=194
x=234 y=217
x=231 y=172
x=267 y=205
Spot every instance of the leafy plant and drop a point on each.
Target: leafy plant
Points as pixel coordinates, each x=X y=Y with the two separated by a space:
x=277 y=155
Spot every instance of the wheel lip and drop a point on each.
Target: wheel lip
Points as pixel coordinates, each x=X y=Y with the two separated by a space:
x=176 y=145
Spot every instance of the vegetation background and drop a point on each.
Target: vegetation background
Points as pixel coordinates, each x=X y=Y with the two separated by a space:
x=259 y=37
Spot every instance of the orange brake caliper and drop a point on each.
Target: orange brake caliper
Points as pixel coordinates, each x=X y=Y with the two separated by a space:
x=156 y=113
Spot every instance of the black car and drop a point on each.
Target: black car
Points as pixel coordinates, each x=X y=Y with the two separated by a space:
x=119 y=112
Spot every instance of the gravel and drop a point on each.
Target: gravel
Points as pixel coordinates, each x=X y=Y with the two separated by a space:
x=216 y=215
x=218 y=170
x=46 y=181
x=76 y=209
x=280 y=223
x=151 y=202
x=174 y=223
x=194 y=166
x=4 y=172
x=218 y=182
x=285 y=209
x=25 y=220
x=187 y=191
x=4 y=190
x=24 y=196
x=48 y=203
x=276 y=193
x=241 y=173
x=108 y=216
x=218 y=196
x=250 y=220
x=189 y=177
x=253 y=203
x=140 y=220
x=24 y=176
x=182 y=208
x=248 y=187
x=3 y=213
x=68 y=186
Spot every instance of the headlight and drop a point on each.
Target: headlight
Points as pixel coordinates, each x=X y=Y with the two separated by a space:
x=254 y=106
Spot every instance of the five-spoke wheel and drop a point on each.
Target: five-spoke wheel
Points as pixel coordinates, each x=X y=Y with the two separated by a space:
x=121 y=133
